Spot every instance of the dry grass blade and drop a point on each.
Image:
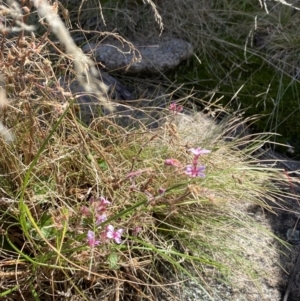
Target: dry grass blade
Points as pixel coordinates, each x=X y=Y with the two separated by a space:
x=6 y=133
x=157 y=16
x=84 y=67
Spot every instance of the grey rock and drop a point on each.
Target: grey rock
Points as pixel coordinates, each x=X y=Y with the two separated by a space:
x=155 y=56
x=293 y=235
x=127 y=111
x=116 y=90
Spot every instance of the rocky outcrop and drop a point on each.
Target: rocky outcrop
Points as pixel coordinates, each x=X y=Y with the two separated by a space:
x=149 y=57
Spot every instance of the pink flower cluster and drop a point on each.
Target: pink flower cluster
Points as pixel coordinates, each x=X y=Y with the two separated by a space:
x=110 y=233
x=97 y=208
x=194 y=169
x=92 y=242
x=175 y=108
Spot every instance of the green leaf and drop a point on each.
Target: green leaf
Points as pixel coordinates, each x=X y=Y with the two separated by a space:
x=102 y=164
x=113 y=261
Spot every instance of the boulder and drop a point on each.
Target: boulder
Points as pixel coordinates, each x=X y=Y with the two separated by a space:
x=144 y=58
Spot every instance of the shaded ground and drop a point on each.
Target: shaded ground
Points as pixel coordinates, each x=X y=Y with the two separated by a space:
x=285 y=224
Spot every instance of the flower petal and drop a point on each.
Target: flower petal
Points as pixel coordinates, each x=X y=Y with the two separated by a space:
x=91 y=239
x=110 y=231
x=104 y=201
x=91 y=234
x=120 y=231
x=101 y=218
x=199 y=151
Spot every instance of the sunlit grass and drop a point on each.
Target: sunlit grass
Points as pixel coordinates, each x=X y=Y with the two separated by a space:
x=166 y=216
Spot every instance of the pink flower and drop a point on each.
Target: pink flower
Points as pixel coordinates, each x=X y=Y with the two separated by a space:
x=104 y=201
x=194 y=171
x=85 y=211
x=172 y=162
x=199 y=151
x=99 y=201
x=137 y=229
x=99 y=204
x=175 y=107
x=92 y=242
x=161 y=190
x=112 y=234
x=101 y=218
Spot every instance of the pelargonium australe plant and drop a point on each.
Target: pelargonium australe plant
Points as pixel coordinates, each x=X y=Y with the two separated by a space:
x=194 y=169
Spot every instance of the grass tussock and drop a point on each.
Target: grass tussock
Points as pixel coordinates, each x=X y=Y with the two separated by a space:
x=101 y=211
x=53 y=195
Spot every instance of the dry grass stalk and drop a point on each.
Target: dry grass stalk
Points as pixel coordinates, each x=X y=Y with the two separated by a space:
x=85 y=71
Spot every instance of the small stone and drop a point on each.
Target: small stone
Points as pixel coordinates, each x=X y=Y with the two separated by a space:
x=293 y=235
